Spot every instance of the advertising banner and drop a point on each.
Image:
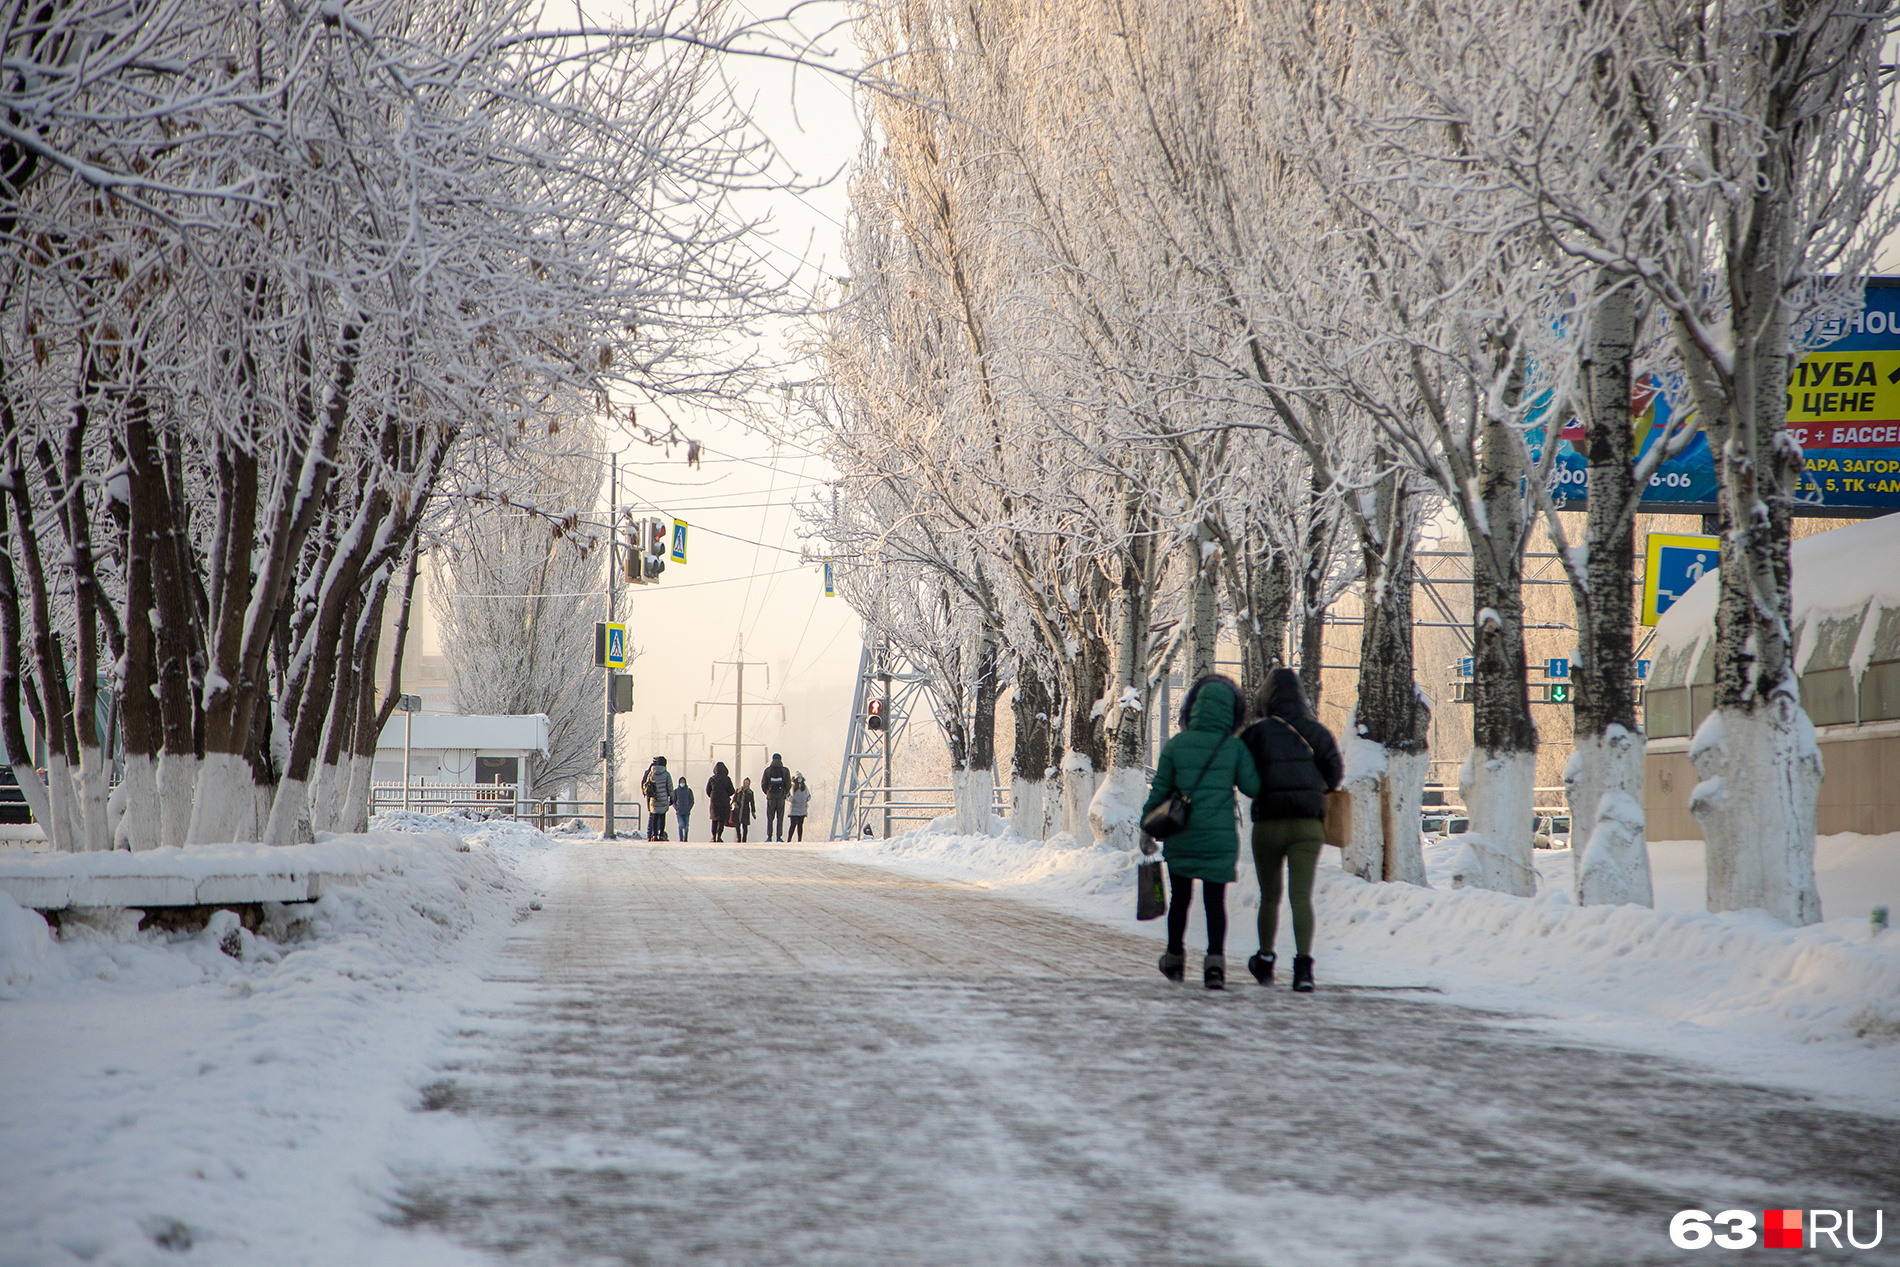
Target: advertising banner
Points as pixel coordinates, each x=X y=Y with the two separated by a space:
x=1843 y=409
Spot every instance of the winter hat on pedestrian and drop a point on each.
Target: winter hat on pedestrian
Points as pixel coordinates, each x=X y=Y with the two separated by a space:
x=775 y=756
x=1282 y=696
x=659 y=761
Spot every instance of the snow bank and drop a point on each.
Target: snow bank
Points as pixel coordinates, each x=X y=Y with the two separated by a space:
x=1816 y=1008
x=237 y=1094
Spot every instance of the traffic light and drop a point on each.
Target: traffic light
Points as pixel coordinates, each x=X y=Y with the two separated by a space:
x=634 y=571
x=874 y=715
x=653 y=557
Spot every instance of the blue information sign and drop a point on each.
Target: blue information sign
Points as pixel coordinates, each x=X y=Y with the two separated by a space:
x=1557 y=668
x=1843 y=409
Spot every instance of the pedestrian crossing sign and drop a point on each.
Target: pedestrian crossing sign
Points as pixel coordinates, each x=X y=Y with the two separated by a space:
x=610 y=645
x=831 y=582
x=679 y=541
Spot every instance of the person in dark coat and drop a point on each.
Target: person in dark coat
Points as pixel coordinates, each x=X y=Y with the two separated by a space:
x=745 y=807
x=1207 y=763
x=682 y=803
x=776 y=783
x=719 y=798
x=1299 y=764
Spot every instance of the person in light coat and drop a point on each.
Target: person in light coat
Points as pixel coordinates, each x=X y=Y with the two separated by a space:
x=657 y=787
x=800 y=805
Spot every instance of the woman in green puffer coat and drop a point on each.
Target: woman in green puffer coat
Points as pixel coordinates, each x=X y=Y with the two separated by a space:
x=1207 y=763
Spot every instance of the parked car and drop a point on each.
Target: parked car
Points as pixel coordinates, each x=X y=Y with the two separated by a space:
x=12 y=800
x=1435 y=827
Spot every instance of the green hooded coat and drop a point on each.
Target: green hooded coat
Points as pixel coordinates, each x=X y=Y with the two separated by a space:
x=1207 y=754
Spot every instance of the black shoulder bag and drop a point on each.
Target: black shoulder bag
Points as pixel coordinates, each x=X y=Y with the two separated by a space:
x=1171 y=816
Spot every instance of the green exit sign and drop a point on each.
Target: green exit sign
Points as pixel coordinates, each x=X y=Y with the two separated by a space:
x=1560 y=692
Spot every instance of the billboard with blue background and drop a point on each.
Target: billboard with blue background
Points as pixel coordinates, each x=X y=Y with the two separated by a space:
x=1843 y=408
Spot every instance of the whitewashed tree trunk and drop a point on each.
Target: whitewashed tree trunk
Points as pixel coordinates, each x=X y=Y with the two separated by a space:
x=1603 y=783
x=225 y=807
x=353 y=814
x=1027 y=815
x=1498 y=789
x=177 y=782
x=1760 y=774
x=94 y=814
x=137 y=797
x=1387 y=789
x=1078 y=789
x=289 y=822
x=62 y=827
x=975 y=791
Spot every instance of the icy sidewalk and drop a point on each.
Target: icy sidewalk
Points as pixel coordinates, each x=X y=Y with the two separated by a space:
x=158 y=1094
x=761 y=1055
x=1816 y=1009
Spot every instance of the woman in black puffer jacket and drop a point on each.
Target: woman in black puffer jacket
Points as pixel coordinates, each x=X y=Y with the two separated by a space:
x=1299 y=764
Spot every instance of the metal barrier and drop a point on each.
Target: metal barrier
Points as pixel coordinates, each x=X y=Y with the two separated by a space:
x=869 y=803
x=432 y=798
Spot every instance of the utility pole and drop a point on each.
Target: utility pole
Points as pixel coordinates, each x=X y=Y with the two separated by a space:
x=683 y=735
x=607 y=754
x=738 y=703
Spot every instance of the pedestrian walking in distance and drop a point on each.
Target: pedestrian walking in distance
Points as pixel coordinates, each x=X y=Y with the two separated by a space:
x=719 y=799
x=682 y=803
x=800 y=804
x=744 y=809
x=776 y=783
x=1205 y=763
x=657 y=786
x=1298 y=764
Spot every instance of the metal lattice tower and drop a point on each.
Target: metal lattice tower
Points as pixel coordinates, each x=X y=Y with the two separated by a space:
x=863 y=766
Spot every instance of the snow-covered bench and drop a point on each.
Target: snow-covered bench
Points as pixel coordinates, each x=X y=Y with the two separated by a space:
x=202 y=875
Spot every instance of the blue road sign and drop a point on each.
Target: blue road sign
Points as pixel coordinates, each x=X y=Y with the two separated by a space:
x=1642 y=670
x=1557 y=668
x=679 y=541
x=831 y=583
x=1679 y=567
x=1464 y=667
x=616 y=645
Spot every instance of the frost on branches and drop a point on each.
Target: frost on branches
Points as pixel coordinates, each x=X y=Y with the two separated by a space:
x=275 y=279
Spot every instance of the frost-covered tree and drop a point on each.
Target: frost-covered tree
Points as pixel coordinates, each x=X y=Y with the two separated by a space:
x=519 y=579
x=270 y=274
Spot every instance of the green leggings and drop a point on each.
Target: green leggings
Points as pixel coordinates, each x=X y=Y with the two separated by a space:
x=1294 y=843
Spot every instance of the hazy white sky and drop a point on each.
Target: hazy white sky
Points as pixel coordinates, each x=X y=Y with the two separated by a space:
x=742 y=585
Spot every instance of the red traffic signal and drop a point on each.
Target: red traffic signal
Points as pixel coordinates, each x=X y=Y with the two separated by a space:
x=874 y=715
x=653 y=559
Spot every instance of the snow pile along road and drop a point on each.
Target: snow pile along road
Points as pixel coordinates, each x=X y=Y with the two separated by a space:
x=1817 y=1007
x=234 y=1093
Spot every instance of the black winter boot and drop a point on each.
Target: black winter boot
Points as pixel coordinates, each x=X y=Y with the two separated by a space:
x=1303 y=973
x=1261 y=965
x=1214 y=972
x=1174 y=965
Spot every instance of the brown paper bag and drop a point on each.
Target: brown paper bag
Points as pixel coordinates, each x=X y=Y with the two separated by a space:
x=1339 y=818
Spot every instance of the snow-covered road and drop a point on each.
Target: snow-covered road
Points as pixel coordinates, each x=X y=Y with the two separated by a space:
x=771 y=1055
